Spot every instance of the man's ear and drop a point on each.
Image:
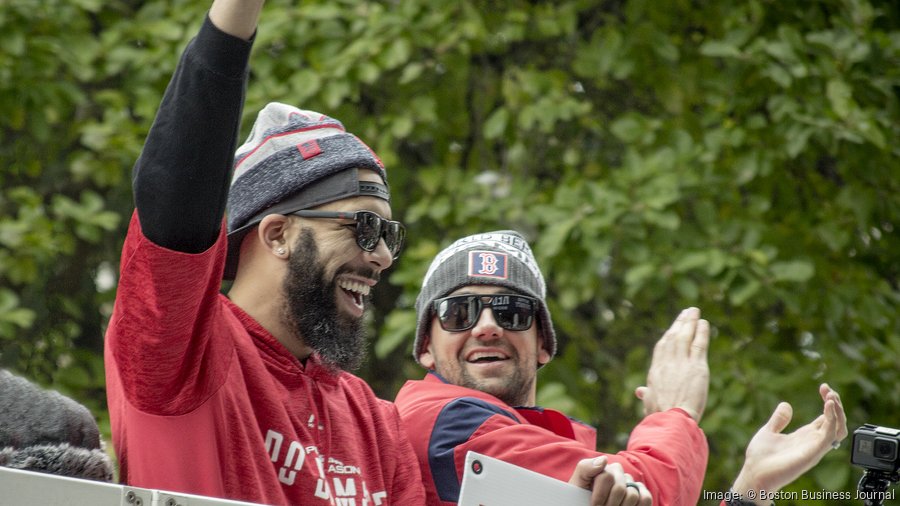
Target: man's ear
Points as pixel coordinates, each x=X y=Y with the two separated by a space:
x=272 y=234
x=543 y=355
x=426 y=358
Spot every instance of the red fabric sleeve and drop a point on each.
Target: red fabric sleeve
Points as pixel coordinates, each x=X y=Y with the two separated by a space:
x=667 y=452
x=161 y=333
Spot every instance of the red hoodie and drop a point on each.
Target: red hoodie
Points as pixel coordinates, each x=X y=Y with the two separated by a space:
x=204 y=400
x=666 y=451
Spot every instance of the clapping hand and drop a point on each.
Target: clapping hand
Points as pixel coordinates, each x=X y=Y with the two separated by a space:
x=679 y=372
x=774 y=459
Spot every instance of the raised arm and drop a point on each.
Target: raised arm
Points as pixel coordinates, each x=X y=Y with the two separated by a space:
x=182 y=177
x=181 y=183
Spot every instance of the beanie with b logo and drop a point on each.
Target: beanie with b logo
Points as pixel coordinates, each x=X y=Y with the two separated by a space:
x=501 y=258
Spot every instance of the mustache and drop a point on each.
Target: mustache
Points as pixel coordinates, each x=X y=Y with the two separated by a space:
x=364 y=272
x=498 y=343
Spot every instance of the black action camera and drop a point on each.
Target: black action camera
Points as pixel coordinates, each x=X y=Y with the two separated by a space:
x=876 y=448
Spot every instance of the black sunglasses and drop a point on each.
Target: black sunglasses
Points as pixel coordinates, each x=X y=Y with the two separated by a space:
x=369 y=228
x=511 y=312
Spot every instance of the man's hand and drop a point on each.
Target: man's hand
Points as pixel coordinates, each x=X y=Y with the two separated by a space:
x=679 y=372
x=236 y=17
x=774 y=459
x=609 y=484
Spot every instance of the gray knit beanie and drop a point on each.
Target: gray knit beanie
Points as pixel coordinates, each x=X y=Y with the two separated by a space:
x=501 y=258
x=45 y=431
x=292 y=160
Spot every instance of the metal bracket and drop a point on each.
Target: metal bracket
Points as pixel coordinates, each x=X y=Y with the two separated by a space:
x=133 y=496
x=167 y=499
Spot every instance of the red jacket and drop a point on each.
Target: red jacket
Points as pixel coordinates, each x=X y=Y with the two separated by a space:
x=204 y=400
x=666 y=451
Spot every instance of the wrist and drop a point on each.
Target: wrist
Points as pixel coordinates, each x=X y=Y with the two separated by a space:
x=746 y=489
x=749 y=497
x=686 y=412
x=746 y=484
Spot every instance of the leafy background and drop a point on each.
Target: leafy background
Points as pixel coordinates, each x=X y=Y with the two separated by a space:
x=740 y=156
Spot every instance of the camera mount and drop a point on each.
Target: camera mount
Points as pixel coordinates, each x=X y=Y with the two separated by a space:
x=874 y=484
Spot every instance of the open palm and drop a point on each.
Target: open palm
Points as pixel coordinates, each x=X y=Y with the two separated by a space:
x=774 y=459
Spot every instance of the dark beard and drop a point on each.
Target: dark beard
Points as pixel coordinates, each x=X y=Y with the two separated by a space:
x=311 y=309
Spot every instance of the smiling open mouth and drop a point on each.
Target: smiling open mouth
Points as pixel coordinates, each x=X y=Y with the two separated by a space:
x=355 y=289
x=482 y=358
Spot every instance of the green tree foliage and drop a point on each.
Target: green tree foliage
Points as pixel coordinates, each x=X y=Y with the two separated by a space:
x=740 y=156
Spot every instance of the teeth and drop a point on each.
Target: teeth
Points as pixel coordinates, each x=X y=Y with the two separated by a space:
x=354 y=286
x=478 y=356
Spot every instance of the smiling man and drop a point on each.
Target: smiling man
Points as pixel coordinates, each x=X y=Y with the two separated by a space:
x=503 y=368
x=483 y=332
x=246 y=396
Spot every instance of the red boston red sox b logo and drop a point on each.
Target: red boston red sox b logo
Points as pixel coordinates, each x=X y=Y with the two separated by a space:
x=487 y=264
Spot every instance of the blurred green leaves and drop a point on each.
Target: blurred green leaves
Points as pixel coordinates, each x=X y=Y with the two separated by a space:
x=737 y=156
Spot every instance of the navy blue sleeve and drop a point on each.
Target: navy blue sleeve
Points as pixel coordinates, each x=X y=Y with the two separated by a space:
x=181 y=179
x=455 y=424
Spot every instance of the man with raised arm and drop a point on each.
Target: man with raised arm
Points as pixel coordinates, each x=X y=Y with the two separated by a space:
x=245 y=396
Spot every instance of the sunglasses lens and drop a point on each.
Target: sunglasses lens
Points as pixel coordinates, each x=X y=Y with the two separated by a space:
x=368 y=230
x=458 y=313
x=394 y=235
x=511 y=312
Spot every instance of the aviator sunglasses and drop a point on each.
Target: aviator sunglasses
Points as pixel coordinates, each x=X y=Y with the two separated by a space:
x=369 y=228
x=460 y=312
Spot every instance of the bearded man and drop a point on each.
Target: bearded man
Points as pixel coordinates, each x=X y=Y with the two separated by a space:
x=245 y=396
